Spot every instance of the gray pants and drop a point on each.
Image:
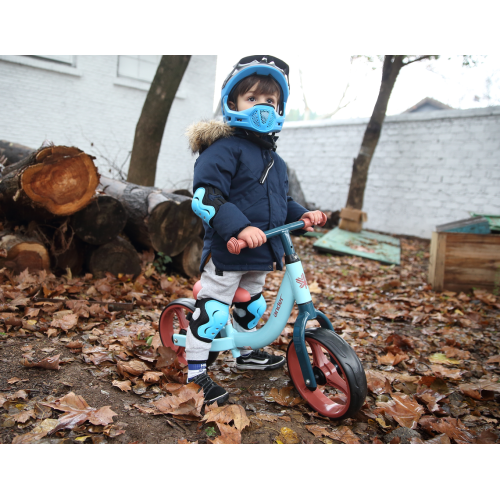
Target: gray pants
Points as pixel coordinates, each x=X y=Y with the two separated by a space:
x=221 y=288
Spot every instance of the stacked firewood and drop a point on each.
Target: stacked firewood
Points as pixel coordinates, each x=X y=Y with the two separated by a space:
x=59 y=213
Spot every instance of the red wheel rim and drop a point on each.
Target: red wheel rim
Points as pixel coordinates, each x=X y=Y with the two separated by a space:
x=318 y=400
x=172 y=321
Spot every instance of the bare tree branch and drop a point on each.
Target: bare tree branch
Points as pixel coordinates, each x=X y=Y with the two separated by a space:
x=421 y=58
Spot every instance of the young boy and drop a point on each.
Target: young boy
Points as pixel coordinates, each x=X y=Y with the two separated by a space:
x=240 y=189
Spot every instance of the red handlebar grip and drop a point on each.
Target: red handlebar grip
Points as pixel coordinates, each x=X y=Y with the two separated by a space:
x=236 y=246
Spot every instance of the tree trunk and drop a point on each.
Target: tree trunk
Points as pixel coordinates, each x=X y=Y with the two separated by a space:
x=392 y=66
x=188 y=262
x=163 y=221
x=116 y=257
x=50 y=182
x=151 y=124
x=19 y=252
x=101 y=221
x=13 y=152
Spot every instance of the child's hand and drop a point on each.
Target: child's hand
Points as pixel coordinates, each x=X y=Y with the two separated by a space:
x=252 y=236
x=317 y=217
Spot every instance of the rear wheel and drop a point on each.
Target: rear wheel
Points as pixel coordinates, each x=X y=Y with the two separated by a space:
x=339 y=374
x=175 y=320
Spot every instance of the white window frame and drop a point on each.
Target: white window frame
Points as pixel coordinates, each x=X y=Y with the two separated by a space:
x=41 y=63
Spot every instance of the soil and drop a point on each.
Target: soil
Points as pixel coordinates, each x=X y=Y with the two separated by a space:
x=351 y=291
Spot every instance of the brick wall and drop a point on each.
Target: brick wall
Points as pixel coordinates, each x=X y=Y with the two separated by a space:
x=89 y=104
x=428 y=169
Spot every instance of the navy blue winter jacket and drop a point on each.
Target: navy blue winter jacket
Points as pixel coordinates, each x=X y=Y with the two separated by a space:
x=234 y=165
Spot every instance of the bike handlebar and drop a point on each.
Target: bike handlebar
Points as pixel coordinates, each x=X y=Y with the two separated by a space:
x=235 y=246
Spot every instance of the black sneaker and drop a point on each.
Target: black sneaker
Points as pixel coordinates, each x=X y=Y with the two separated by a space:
x=259 y=360
x=211 y=391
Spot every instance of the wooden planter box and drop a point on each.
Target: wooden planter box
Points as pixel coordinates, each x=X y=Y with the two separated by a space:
x=461 y=261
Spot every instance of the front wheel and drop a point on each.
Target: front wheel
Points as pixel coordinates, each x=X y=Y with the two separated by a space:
x=339 y=374
x=175 y=319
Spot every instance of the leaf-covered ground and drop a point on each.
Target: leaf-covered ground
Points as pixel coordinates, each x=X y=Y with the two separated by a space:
x=76 y=370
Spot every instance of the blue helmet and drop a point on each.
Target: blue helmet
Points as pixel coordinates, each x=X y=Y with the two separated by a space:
x=261 y=118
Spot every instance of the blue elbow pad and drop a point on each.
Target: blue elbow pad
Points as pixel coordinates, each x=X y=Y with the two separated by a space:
x=207 y=202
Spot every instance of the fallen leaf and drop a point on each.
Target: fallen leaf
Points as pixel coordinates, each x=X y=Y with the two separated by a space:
x=392 y=359
x=229 y=435
x=226 y=414
x=317 y=430
x=287 y=436
x=167 y=357
x=185 y=441
x=446 y=372
x=152 y=376
x=134 y=367
x=376 y=381
x=440 y=358
x=494 y=359
x=123 y=385
x=23 y=416
x=482 y=389
x=267 y=417
x=51 y=363
x=403 y=410
x=454 y=429
x=77 y=411
x=344 y=434
x=188 y=401
x=282 y=397
x=453 y=352
x=40 y=431
x=67 y=322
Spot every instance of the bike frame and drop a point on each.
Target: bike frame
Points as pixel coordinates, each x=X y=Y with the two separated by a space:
x=293 y=289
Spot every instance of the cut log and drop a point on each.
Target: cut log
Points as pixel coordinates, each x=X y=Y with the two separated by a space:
x=116 y=257
x=13 y=152
x=101 y=221
x=156 y=219
x=188 y=262
x=73 y=258
x=19 y=252
x=52 y=181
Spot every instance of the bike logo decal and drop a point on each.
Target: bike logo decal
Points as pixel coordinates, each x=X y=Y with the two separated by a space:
x=278 y=306
x=302 y=281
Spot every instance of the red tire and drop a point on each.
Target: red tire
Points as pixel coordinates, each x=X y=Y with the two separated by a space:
x=339 y=374
x=175 y=320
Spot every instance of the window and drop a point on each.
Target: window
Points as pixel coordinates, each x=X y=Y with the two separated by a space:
x=60 y=59
x=138 y=67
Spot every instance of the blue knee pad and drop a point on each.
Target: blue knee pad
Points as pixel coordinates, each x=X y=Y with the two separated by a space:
x=210 y=320
x=253 y=311
x=206 y=203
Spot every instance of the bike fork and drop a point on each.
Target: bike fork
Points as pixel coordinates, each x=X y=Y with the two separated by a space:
x=306 y=312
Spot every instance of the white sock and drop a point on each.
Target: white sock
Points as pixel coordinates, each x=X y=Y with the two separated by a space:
x=195 y=369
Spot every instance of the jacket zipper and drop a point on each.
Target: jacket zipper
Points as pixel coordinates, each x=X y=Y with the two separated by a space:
x=266 y=171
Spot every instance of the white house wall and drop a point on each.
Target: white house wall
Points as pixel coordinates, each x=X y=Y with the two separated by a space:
x=428 y=168
x=89 y=104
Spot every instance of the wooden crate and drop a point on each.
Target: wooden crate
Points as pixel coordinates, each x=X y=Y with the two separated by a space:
x=461 y=261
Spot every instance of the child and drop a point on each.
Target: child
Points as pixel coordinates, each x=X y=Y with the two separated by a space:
x=240 y=189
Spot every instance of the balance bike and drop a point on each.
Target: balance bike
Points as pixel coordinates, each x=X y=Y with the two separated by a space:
x=323 y=366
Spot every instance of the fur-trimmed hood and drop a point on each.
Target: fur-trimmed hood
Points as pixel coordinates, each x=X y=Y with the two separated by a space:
x=205 y=133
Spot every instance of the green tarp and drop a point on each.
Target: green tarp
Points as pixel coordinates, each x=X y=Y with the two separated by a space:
x=365 y=244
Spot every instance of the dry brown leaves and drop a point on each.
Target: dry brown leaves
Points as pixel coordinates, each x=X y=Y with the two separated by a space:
x=51 y=363
x=341 y=433
x=187 y=401
x=392 y=359
x=283 y=397
x=229 y=435
x=403 y=410
x=77 y=411
x=227 y=414
x=483 y=389
x=123 y=385
x=66 y=322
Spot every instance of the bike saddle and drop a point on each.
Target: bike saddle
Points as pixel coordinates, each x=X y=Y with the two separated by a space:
x=241 y=295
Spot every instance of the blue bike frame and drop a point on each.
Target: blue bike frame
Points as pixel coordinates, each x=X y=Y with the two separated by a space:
x=293 y=289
